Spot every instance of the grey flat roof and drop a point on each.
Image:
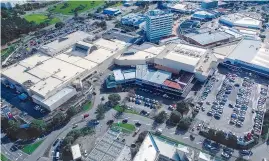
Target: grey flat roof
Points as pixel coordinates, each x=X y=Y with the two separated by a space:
x=208 y=38
x=246 y=50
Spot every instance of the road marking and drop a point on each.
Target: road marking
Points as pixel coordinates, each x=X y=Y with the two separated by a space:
x=20 y=154
x=16 y=158
x=148 y=124
x=199 y=142
x=172 y=133
x=186 y=137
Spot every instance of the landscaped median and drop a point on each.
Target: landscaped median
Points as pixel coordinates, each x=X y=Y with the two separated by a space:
x=30 y=148
x=120 y=109
x=4 y=158
x=87 y=106
x=128 y=128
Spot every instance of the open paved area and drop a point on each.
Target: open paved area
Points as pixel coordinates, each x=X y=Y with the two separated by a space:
x=108 y=148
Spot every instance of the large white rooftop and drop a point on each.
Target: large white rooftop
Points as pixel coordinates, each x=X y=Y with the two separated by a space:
x=49 y=73
x=186 y=54
x=147 y=150
x=63 y=43
x=75 y=149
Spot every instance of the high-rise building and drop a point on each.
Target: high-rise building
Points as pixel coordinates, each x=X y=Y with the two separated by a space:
x=158 y=24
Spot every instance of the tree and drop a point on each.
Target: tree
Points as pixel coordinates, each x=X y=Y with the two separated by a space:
x=71 y=111
x=58 y=119
x=161 y=117
x=114 y=99
x=39 y=125
x=185 y=123
x=59 y=25
x=75 y=13
x=184 y=106
x=211 y=133
x=175 y=117
x=220 y=135
x=100 y=112
x=131 y=93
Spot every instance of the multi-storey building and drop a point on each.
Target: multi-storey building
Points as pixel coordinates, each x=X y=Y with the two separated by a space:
x=158 y=24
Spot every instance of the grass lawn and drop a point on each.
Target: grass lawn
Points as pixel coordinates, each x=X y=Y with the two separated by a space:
x=67 y=8
x=39 y=18
x=29 y=149
x=119 y=108
x=4 y=158
x=129 y=127
x=87 y=106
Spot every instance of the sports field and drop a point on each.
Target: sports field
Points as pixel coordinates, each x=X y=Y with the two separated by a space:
x=39 y=18
x=69 y=7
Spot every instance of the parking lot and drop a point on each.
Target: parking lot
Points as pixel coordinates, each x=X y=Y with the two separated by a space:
x=17 y=107
x=230 y=101
x=145 y=101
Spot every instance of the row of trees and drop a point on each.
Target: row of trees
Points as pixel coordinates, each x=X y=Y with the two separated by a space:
x=37 y=127
x=176 y=117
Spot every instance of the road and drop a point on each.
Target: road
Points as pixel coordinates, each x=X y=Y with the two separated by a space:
x=13 y=156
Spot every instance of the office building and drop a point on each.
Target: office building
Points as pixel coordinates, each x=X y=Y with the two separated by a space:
x=158 y=24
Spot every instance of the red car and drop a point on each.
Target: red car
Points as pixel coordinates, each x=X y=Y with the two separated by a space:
x=86 y=115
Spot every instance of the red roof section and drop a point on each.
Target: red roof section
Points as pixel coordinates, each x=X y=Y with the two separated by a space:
x=172 y=84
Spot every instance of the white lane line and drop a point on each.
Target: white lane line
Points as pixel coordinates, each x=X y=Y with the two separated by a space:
x=148 y=124
x=186 y=137
x=16 y=158
x=199 y=142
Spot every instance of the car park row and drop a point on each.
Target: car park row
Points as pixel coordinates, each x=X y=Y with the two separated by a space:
x=258 y=120
x=242 y=102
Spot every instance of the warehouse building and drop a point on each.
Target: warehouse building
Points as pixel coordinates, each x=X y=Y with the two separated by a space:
x=240 y=20
x=183 y=7
x=209 y=4
x=111 y=11
x=47 y=76
x=204 y=15
x=248 y=54
x=136 y=20
x=207 y=38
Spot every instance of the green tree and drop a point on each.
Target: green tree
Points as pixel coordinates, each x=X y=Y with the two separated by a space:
x=114 y=99
x=100 y=112
x=58 y=119
x=184 y=106
x=71 y=111
x=161 y=117
x=59 y=25
x=220 y=135
x=211 y=133
x=184 y=123
x=39 y=125
x=175 y=117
